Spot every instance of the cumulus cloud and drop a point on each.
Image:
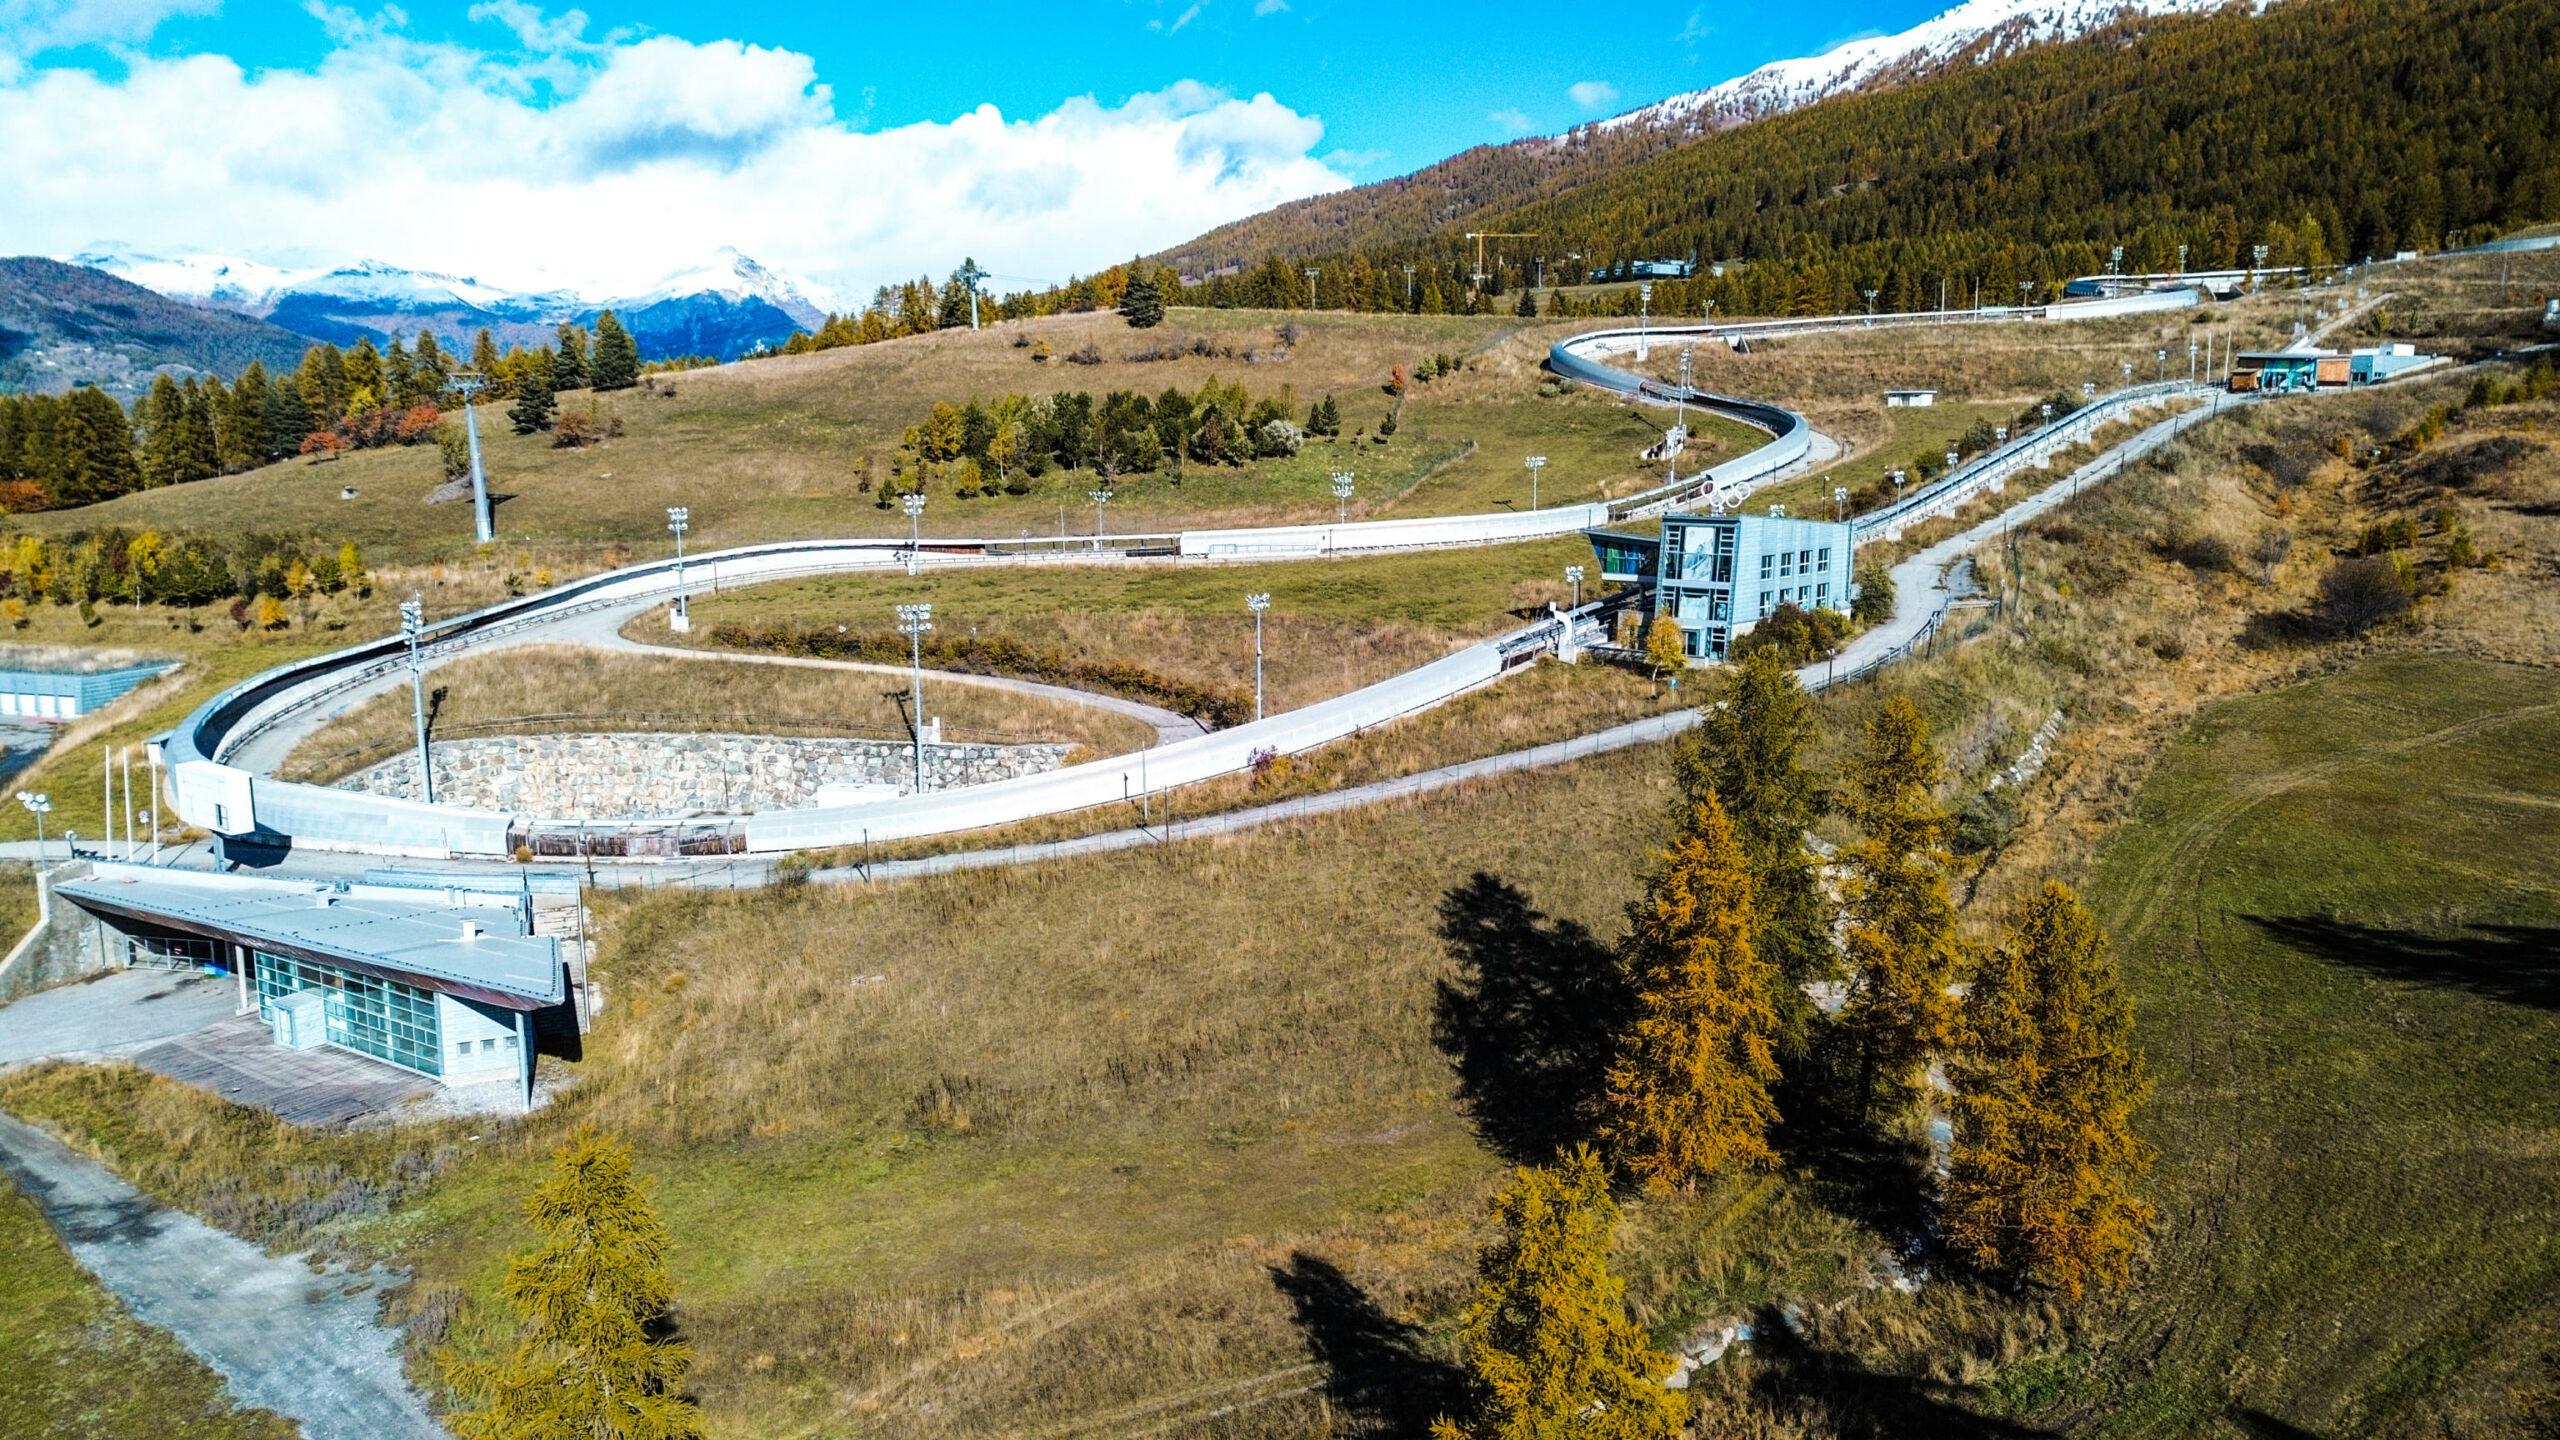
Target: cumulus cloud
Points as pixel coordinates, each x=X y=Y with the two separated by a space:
x=606 y=163
x=1513 y=122
x=1594 y=94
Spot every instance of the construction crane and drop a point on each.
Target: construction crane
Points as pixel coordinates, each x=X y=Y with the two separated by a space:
x=1480 y=275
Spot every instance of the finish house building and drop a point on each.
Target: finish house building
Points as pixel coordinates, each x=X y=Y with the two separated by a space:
x=441 y=983
x=1716 y=576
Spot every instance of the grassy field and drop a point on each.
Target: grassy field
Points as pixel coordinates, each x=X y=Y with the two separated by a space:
x=561 y=689
x=2337 y=909
x=1334 y=625
x=79 y=1368
x=799 y=445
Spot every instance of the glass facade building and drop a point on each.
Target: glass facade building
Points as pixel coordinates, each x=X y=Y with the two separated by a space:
x=1716 y=576
x=381 y=1018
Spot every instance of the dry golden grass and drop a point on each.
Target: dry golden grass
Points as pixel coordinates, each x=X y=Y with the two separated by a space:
x=548 y=689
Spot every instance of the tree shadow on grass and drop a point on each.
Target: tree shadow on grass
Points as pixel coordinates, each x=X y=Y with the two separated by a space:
x=1878 y=1180
x=2518 y=964
x=2263 y=1426
x=1531 y=1020
x=1857 y=1403
x=1377 y=1372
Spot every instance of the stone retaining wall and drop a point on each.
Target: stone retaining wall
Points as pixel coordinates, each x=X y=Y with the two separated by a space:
x=629 y=777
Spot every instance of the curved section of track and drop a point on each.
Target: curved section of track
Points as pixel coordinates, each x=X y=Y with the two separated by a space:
x=236 y=800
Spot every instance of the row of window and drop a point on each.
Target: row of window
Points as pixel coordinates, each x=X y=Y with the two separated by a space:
x=381 y=1018
x=1781 y=563
x=1807 y=596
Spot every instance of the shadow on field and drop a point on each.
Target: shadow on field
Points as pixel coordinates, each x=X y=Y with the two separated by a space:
x=1856 y=1403
x=1377 y=1372
x=2262 y=1426
x=2519 y=964
x=1528 y=1023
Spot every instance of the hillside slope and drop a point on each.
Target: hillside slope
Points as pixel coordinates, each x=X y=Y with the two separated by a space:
x=63 y=326
x=2330 y=129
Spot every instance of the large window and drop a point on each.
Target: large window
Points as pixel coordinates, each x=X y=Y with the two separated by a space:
x=381 y=1018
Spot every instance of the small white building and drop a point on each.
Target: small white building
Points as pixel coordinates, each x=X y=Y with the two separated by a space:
x=1909 y=399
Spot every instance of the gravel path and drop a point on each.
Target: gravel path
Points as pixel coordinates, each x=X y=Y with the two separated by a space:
x=304 y=1345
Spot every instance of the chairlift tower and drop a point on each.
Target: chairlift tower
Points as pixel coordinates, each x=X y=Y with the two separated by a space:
x=471 y=383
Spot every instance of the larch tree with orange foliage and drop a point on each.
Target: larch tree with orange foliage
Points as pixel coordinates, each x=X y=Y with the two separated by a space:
x=1901 y=944
x=1688 y=1095
x=2040 y=1183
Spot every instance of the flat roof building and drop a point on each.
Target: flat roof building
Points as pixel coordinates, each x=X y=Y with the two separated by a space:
x=444 y=984
x=42 y=692
x=1909 y=398
x=1716 y=576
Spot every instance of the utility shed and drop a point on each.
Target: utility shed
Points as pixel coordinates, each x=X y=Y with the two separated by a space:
x=450 y=990
x=1908 y=399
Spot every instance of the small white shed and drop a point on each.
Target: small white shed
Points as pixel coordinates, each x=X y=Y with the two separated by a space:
x=1909 y=399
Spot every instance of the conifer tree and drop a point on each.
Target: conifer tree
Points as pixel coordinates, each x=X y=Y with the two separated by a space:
x=569 y=358
x=240 y=427
x=534 y=404
x=1901 y=938
x=1433 y=302
x=2040 y=1183
x=585 y=1365
x=1547 y=1343
x=96 y=449
x=288 y=419
x=1528 y=306
x=616 y=362
x=484 y=353
x=1688 y=1094
x=200 y=453
x=1142 y=304
x=1748 y=752
x=162 y=417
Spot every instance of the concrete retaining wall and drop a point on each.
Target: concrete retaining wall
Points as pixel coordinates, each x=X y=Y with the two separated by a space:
x=628 y=777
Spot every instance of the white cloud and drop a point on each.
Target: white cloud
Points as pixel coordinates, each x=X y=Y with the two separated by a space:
x=1269 y=7
x=603 y=164
x=1513 y=122
x=31 y=27
x=1594 y=94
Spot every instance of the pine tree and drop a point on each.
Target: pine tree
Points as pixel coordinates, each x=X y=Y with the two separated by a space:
x=200 y=453
x=534 y=404
x=1688 y=1094
x=2040 y=1183
x=1527 y=309
x=1901 y=940
x=1748 y=753
x=1433 y=303
x=240 y=427
x=485 y=357
x=1549 y=1349
x=585 y=1366
x=616 y=363
x=162 y=417
x=569 y=359
x=96 y=438
x=288 y=419
x=1142 y=304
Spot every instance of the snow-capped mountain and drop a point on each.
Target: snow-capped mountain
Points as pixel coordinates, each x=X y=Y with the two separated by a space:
x=726 y=306
x=1974 y=32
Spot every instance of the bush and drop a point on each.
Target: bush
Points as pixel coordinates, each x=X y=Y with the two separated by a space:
x=1874 y=603
x=2361 y=592
x=1277 y=438
x=1089 y=355
x=1798 y=635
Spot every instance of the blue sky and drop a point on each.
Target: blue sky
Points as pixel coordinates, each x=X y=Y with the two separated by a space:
x=1116 y=124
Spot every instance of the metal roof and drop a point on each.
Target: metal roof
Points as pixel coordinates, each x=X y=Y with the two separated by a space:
x=358 y=927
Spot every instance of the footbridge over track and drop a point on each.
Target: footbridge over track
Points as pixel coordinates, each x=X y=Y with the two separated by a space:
x=214 y=787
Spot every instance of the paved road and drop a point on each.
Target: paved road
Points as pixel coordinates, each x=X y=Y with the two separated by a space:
x=118 y=1013
x=305 y=1346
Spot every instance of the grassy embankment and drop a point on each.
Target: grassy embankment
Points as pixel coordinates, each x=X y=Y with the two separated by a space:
x=801 y=445
x=79 y=1366
x=562 y=689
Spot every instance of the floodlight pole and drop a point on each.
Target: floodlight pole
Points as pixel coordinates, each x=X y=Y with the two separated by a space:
x=39 y=806
x=413 y=619
x=1311 y=287
x=914 y=504
x=1257 y=604
x=679 y=519
x=1680 y=402
x=914 y=620
x=1341 y=496
x=1573 y=577
x=1099 y=498
x=1536 y=464
x=1644 y=313
x=470 y=383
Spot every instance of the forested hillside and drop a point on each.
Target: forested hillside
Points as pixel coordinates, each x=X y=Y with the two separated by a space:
x=66 y=325
x=2326 y=129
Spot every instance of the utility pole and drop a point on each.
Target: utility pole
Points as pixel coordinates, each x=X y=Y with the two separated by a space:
x=1257 y=604
x=680 y=519
x=470 y=383
x=413 y=620
x=1536 y=464
x=913 y=621
x=914 y=505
